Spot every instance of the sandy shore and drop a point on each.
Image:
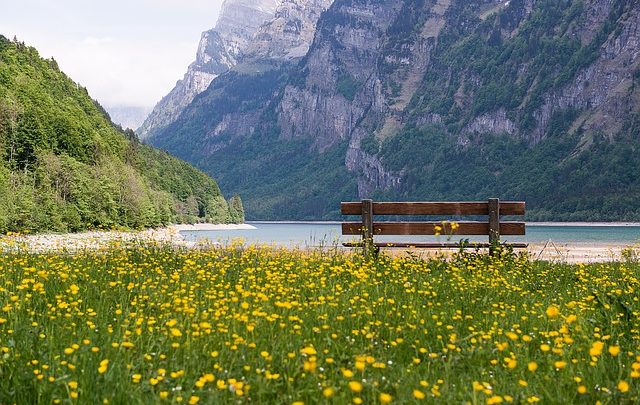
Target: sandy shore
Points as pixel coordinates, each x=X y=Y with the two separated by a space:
x=554 y=252
x=581 y=253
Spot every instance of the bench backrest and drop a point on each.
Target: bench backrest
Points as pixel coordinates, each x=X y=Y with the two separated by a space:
x=493 y=227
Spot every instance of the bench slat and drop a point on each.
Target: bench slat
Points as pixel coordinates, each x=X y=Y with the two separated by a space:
x=449 y=245
x=434 y=208
x=429 y=228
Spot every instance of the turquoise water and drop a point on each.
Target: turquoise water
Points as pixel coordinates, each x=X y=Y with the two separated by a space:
x=328 y=234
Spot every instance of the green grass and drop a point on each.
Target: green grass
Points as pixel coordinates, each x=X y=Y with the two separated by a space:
x=253 y=325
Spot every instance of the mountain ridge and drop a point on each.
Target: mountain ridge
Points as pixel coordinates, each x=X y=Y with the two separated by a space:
x=441 y=99
x=249 y=37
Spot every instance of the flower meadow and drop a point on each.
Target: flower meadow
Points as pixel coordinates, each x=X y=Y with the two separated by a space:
x=155 y=324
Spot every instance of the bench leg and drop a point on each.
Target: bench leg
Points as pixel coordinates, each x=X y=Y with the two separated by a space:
x=367 y=229
x=494 y=224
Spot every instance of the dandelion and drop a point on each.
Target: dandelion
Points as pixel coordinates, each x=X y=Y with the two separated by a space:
x=104 y=365
x=385 y=398
x=623 y=386
x=560 y=364
x=552 y=311
x=596 y=349
x=328 y=392
x=355 y=386
x=417 y=394
x=309 y=351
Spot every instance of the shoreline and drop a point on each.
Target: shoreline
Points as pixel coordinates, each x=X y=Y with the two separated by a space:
x=93 y=240
x=212 y=227
x=540 y=224
x=567 y=252
x=585 y=224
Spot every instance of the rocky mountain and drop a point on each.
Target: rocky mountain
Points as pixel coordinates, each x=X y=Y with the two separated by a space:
x=218 y=51
x=64 y=166
x=433 y=99
x=289 y=34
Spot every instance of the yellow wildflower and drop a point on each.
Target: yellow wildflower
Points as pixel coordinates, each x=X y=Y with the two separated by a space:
x=623 y=386
x=552 y=311
x=385 y=398
x=355 y=386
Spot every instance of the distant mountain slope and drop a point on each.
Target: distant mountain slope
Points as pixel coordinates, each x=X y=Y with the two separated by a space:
x=128 y=117
x=250 y=37
x=66 y=167
x=435 y=99
x=218 y=51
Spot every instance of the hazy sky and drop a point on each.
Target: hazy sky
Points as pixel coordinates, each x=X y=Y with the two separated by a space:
x=126 y=52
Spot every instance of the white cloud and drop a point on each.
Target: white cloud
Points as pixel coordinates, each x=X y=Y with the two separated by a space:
x=96 y=41
x=121 y=72
x=126 y=52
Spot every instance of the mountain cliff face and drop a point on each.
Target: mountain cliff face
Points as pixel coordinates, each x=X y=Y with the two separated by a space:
x=253 y=34
x=218 y=51
x=434 y=99
x=240 y=19
x=289 y=34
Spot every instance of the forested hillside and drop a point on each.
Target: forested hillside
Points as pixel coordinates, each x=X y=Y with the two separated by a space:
x=65 y=167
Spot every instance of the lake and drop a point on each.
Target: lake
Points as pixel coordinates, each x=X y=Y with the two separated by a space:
x=304 y=234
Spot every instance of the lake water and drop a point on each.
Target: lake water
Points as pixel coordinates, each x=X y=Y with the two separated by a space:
x=328 y=234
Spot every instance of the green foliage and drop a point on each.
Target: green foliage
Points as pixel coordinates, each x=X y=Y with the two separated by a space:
x=310 y=184
x=278 y=178
x=236 y=210
x=348 y=86
x=66 y=167
x=370 y=144
x=560 y=179
x=511 y=72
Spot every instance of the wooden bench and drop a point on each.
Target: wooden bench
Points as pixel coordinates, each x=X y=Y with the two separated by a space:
x=493 y=227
